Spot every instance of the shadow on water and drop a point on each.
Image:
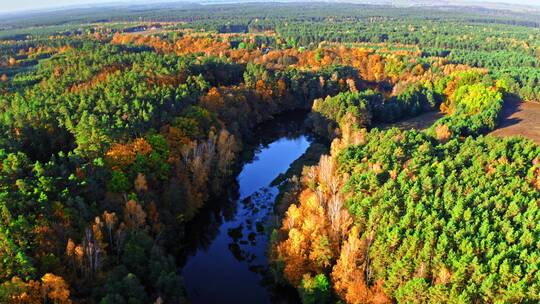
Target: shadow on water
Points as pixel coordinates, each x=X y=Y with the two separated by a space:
x=228 y=240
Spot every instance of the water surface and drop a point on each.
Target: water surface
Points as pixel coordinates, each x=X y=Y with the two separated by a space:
x=230 y=265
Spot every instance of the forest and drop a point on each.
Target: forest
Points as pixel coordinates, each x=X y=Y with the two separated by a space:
x=120 y=126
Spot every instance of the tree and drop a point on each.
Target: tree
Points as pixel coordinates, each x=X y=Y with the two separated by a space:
x=55 y=288
x=227 y=148
x=140 y=183
x=315 y=289
x=443 y=133
x=415 y=292
x=119 y=182
x=349 y=275
x=51 y=288
x=110 y=220
x=134 y=215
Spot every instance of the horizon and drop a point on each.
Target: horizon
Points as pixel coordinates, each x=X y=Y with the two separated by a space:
x=22 y=6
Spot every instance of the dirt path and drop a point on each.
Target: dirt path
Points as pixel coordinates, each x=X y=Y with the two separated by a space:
x=520 y=118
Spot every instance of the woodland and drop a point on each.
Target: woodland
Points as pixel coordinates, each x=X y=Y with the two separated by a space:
x=118 y=126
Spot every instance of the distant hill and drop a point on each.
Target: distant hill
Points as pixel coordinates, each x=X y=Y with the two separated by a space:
x=507 y=5
x=118 y=10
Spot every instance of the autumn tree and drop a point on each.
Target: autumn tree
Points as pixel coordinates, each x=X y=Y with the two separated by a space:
x=141 y=184
x=443 y=133
x=227 y=148
x=52 y=289
x=110 y=220
x=55 y=288
x=350 y=274
x=134 y=215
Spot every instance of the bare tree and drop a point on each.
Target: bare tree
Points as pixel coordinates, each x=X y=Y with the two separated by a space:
x=335 y=204
x=326 y=170
x=92 y=252
x=110 y=220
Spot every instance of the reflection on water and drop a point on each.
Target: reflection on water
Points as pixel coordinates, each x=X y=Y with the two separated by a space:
x=228 y=262
x=269 y=163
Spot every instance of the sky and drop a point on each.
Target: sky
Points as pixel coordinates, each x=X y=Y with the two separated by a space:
x=22 y=5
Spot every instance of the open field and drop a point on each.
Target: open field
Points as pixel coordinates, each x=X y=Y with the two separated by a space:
x=520 y=118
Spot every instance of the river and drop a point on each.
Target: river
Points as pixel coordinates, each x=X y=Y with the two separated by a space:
x=228 y=261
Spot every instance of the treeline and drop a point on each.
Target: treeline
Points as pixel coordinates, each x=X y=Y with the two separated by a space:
x=473 y=105
x=516 y=70
x=471 y=99
x=507 y=51
x=270 y=13
x=363 y=109
x=503 y=41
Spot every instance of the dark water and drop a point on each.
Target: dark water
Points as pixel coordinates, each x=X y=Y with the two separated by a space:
x=228 y=263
